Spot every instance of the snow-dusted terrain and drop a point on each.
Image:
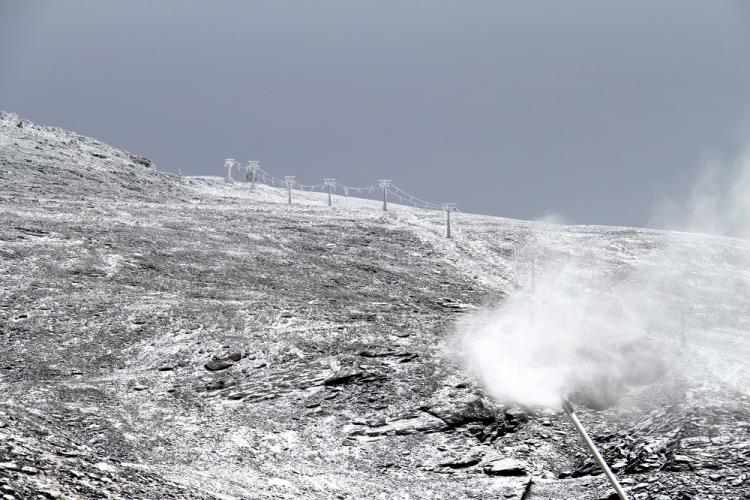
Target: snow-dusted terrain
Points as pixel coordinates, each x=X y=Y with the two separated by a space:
x=167 y=337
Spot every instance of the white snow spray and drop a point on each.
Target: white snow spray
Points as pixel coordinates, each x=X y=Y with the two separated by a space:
x=719 y=203
x=607 y=309
x=572 y=331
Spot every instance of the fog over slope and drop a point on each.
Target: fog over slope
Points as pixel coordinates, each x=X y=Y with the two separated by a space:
x=577 y=319
x=167 y=337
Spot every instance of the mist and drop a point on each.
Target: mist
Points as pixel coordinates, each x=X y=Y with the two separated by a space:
x=575 y=331
x=599 y=311
x=718 y=204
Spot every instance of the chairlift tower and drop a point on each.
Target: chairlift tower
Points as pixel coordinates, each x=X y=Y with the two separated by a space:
x=229 y=163
x=683 y=329
x=448 y=207
x=289 y=180
x=330 y=184
x=252 y=172
x=533 y=263
x=384 y=185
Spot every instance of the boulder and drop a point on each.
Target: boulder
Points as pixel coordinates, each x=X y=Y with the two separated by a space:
x=216 y=385
x=469 y=459
x=345 y=376
x=505 y=467
x=223 y=362
x=233 y=356
x=457 y=408
x=216 y=365
x=140 y=160
x=515 y=417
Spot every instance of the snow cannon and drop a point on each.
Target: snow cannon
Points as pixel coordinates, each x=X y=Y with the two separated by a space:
x=568 y=409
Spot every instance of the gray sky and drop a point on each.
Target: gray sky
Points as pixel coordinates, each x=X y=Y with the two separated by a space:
x=592 y=110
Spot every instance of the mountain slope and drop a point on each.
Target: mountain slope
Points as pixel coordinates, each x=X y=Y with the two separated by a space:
x=220 y=338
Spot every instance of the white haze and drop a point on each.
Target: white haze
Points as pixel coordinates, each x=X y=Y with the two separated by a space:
x=537 y=344
x=591 y=295
x=719 y=203
x=553 y=218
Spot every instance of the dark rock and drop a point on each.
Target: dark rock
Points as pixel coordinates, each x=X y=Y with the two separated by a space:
x=140 y=160
x=344 y=377
x=475 y=428
x=408 y=357
x=405 y=357
x=373 y=354
x=223 y=362
x=376 y=421
x=216 y=365
x=463 y=462
x=454 y=305
x=218 y=384
x=461 y=409
x=515 y=417
x=233 y=356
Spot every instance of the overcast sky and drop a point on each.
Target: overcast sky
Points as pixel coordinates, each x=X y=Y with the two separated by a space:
x=593 y=110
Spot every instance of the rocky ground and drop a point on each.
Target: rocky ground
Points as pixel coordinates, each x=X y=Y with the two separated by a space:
x=167 y=337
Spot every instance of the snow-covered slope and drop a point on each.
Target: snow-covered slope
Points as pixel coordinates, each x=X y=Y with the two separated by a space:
x=218 y=337
x=51 y=163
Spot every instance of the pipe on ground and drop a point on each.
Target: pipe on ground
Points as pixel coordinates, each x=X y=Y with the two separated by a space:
x=568 y=408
